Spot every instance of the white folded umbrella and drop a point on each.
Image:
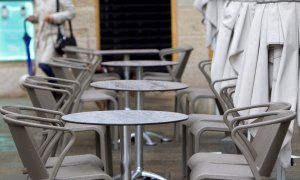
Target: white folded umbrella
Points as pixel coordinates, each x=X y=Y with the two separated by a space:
x=212 y=11
x=270 y=64
x=232 y=40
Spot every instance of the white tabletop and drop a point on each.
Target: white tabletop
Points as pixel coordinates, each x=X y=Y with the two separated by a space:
x=125 y=117
x=139 y=85
x=139 y=63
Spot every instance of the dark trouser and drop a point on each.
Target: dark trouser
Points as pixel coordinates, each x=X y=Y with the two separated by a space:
x=47 y=69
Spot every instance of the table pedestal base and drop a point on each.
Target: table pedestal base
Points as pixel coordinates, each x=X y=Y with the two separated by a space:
x=161 y=137
x=145 y=174
x=149 y=142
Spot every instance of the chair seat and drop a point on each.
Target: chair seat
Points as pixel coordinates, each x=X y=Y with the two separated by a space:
x=200 y=117
x=105 y=77
x=221 y=171
x=76 y=160
x=81 y=171
x=215 y=158
x=97 y=95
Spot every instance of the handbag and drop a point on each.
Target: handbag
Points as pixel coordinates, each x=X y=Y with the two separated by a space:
x=62 y=40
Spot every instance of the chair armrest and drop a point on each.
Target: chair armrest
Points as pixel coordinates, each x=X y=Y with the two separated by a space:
x=13 y=117
x=76 y=49
x=4 y=110
x=203 y=63
x=55 y=85
x=67 y=93
x=283 y=116
x=76 y=83
x=285 y=106
x=68 y=65
x=222 y=80
x=70 y=60
x=168 y=51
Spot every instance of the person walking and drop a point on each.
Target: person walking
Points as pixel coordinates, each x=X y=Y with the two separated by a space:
x=48 y=19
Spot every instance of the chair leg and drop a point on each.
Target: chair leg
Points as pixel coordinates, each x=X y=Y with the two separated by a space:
x=179 y=109
x=184 y=151
x=115 y=133
x=190 y=144
x=187 y=177
x=113 y=104
x=106 y=152
x=196 y=143
x=191 y=105
x=187 y=107
x=103 y=149
x=98 y=143
x=177 y=132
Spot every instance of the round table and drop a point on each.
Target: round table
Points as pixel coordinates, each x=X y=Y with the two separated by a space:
x=140 y=86
x=125 y=118
x=139 y=65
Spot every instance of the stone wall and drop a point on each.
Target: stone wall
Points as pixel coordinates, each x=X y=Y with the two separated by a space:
x=189 y=32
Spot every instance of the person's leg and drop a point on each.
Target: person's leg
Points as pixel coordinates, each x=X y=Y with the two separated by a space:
x=46 y=69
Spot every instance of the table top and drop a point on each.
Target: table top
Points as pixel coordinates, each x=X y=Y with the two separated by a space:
x=139 y=63
x=125 y=117
x=139 y=85
x=126 y=51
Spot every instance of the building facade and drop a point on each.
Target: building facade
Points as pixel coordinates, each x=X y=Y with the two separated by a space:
x=186 y=30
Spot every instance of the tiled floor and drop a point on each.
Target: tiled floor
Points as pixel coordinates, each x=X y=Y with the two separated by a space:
x=164 y=159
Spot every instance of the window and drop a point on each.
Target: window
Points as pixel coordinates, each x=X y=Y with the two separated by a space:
x=12 y=46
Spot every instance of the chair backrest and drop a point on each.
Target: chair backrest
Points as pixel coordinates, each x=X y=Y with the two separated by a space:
x=51 y=95
x=221 y=103
x=21 y=128
x=268 y=107
x=226 y=94
x=262 y=152
x=205 y=67
x=79 y=72
x=33 y=111
x=185 y=53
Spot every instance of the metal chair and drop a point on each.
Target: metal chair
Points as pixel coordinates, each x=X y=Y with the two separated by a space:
x=90 y=53
x=260 y=153
x=34 y=160
x=174 y=74
x=60 y=97
x=199 y=123
x=185 y=99
x=83 y=73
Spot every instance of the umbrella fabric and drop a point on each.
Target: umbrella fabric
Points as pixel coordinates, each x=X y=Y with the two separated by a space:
x=212 y=11
x=270 y=62
x=232 y=39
